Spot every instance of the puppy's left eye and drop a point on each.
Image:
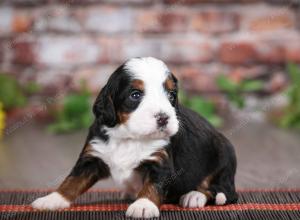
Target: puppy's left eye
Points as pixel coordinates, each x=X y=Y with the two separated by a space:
x=172 y=96
x=136 y=95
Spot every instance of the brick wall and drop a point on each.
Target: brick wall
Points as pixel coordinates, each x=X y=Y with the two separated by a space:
x=56 y=42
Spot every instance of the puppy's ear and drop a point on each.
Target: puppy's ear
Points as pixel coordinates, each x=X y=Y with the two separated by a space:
x=104 y=109
x=176 y=88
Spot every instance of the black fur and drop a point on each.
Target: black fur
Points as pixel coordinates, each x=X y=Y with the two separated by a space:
x=196 y=152
x=199 y=150
x=114 y=97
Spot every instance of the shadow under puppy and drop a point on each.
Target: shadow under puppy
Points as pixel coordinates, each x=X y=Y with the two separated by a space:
x=155 y=149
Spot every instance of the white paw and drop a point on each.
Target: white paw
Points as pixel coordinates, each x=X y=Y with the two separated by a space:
x=52 y=201
x=220 y=199
x=193 y=199
x=142 y=208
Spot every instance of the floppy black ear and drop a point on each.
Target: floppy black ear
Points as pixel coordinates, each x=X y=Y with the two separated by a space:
x=176 y=86
x=104 y=109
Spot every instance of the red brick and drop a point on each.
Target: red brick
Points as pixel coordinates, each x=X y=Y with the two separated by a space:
x=277 y=82
x=107 y=19
x=22 y=22
x=27 y=2
x=271 y=23
x=6 y=17
x=135 y=47
x=270 y=52
x=262 y=18
x=54 y=82
x=23 y=51
x=240 y=73
x=292 y=50
x=173 y=51
x=63 y=51
x=242 y=52
x=109 y=46
x=160 y=22
x=187 y=51
x=196 y=80
x=215 y=22
x=57 y=19
x=121 y=2
x=95 y=77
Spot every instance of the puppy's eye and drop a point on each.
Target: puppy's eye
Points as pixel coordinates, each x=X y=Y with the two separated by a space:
x=136 y=95
x=172 y=96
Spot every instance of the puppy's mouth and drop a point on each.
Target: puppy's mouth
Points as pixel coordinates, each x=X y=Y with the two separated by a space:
x=159 y=133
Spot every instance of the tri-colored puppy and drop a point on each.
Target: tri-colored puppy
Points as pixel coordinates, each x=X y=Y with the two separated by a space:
x=156 y=149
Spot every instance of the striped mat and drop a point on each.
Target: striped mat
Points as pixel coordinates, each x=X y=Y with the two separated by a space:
x=105 y=204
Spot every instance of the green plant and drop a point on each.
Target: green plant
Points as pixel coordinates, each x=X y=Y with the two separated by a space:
x=13 y=94
x=75 y=113
x=202 y=106
x=235 y=91
x=291 y=114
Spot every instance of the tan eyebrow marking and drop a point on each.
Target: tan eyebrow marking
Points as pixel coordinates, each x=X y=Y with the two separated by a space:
x=137 y=84
x=169 y=84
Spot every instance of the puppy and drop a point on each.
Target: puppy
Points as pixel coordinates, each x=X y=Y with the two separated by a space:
x=155 y=149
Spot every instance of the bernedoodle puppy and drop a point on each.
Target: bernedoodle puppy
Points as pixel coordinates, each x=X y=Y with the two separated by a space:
x=154 y=148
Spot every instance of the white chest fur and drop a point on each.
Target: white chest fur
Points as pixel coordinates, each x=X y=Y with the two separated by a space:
x=123 y=156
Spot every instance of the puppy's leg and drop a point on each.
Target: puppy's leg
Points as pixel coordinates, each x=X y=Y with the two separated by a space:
x=147 y=203
x=151 y=196
x=87 y=171
x=217 y=188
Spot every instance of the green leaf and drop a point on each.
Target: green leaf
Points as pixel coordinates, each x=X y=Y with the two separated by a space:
x=62 y=127
x=75 y=113
x=215 y=121
x=294 y=71
x=11 y=94
x=224 y=83
x=237 y=100
x=252 y=85
x=202 y=106
x=293 y=92
x=32 y=88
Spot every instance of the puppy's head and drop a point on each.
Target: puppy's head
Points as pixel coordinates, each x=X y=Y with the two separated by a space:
x=139 y=101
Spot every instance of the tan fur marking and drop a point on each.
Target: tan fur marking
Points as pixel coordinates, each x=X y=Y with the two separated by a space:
x=169 y=84
x=159 y=156
x=204 y=186
x=73 y=186
x=138 y=84
x=123 y=117
x=150 y=192
x=87 y=149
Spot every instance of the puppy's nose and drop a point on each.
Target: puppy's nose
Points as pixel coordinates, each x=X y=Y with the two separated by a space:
x=162 y=119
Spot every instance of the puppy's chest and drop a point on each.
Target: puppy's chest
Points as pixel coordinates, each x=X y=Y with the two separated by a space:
x=123 y=156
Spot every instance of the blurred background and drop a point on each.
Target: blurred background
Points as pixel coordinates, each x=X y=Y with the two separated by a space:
x=237 y=62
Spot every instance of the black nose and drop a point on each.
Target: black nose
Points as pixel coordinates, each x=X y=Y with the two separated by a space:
x=162 y=119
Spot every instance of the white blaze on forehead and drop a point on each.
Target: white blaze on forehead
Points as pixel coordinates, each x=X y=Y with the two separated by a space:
x=150 y=70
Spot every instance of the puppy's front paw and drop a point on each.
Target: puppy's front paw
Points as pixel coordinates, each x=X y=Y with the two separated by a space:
x=193 y=199
x=142 y=208
x=52 y=201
